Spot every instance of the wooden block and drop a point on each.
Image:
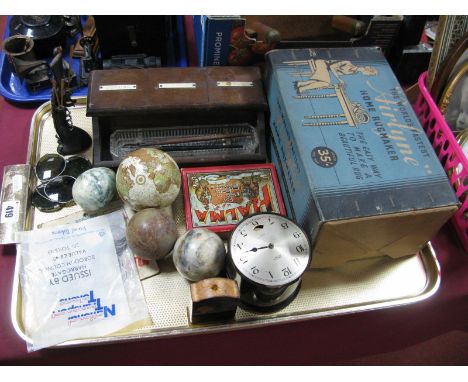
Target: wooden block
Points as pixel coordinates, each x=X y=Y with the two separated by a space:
x=213 y=299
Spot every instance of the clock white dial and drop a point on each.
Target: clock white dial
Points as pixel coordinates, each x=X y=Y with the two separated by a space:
x=270 y=250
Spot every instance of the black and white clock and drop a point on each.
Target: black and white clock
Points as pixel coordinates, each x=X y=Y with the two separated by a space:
x=267 y=256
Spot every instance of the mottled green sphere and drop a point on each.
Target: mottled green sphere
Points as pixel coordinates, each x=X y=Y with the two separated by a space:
x=94 y=189
x=148 y=177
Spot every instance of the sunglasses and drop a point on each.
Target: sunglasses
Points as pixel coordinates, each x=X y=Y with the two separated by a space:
x=57 y=175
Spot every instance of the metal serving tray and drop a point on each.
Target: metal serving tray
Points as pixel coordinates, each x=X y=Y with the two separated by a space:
x=357 y=286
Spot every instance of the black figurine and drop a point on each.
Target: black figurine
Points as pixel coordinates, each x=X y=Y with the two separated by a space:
x=71 y=139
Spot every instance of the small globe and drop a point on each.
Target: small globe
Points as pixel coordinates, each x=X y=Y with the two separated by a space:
x=94 y=189
x=148 y=177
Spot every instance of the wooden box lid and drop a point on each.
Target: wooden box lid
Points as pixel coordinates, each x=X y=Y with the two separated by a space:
x=159 y=90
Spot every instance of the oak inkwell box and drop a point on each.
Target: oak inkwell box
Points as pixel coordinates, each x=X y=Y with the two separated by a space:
x=200 y=116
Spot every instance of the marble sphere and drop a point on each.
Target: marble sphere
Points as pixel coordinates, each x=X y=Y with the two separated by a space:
x=148 y=177
x=151 y=233
x=199 y=254
x=94 y=189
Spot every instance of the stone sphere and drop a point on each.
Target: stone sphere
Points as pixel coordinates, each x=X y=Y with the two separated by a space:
x=151 y=233
x=94 y=189
x=148 y=177
x=199 y=254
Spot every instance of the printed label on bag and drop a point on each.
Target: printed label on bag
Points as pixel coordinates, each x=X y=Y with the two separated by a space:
x=67 y=271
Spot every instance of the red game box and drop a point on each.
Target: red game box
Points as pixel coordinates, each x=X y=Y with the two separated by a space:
x=218 y=197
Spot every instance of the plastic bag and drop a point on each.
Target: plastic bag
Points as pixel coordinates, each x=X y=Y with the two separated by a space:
x=79 y=281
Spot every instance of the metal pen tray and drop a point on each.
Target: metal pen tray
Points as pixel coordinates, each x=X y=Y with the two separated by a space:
x=357 y=286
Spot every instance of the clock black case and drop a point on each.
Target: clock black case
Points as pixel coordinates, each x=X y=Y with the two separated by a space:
x=258 y=297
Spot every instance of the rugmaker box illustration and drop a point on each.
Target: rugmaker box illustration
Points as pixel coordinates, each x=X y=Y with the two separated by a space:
x=356 y=169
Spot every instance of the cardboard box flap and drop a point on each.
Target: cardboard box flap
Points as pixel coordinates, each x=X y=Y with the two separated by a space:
x=391 y=235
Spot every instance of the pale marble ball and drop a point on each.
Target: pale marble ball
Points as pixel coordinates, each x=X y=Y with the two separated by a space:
x=94 y=189
x=199 y=254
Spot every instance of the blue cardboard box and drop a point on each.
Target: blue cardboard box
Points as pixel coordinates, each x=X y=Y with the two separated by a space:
x=356 y=169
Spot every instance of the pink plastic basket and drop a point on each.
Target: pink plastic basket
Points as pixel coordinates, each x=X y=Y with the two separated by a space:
x=449 y=152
